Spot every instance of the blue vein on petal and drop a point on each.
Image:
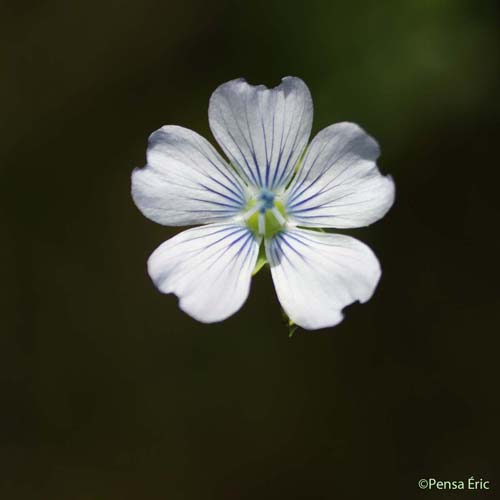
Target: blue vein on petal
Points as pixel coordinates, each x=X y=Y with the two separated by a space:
x=252 y=148
x=302 y=178
x=253 y=179
x=284 y=174
x=269 y=158
x=284 y=239
x=265 y=145
x=238 y=195
x=218 y=251
x=327 y=204
x=213 y=202
x=274 y=185
x=281 y=149
x=221 y=171
x=237 y=203
x=324 y=190
x=234 y=258
x=301 y=181
x=278 y=251
x=228 y=178
x=225 y=228
x=209 y=260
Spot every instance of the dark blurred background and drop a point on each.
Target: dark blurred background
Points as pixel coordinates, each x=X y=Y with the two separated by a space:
x=109 y=392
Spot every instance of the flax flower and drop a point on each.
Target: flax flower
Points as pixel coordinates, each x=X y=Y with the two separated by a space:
x=266 y=204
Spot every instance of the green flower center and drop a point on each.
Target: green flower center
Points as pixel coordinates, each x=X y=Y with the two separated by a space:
x=265 y=215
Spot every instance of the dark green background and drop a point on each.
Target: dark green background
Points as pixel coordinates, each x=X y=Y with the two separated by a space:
x=109 y=392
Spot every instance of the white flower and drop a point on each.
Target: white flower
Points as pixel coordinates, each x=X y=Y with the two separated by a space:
x=274 y=191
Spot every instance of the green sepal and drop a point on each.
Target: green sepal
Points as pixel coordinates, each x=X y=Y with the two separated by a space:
x=261 y=261
x=292 y=327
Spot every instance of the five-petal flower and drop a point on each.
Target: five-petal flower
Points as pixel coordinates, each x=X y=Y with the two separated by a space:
x=276 y=192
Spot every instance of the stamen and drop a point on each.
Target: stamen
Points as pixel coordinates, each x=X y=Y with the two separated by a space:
x=278 y=216
x=262 y=223
x=250 y=212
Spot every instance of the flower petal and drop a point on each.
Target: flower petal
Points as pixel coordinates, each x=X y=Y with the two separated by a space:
x=263 y=131
x=317 y=274
x=185 y=181
x=208 y=267
x=339 y=184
